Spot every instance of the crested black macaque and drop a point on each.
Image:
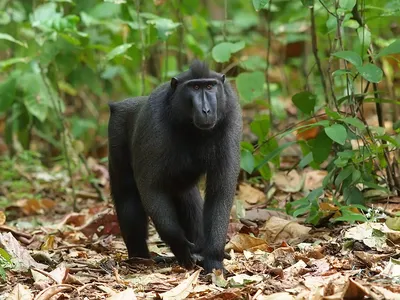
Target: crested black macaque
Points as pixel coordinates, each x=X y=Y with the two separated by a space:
x=159 y=147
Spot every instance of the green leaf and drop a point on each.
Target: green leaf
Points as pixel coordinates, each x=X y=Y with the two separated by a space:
x=4 y=254
x=260 y=4
x=322 y=147
x=164 y=27
x=364 y=36
x=121 y=49
x=347 y=4
x=371 y=72
x=354 y=122
x=346 y=172
x=250 y=85
x=305 y=101
x=332 y=114
x=274 y=153
x=352 y=195
x=5 y=36
x=260 y=126
x=337 y=133
x=393 y=48
x=7 y=93
x=223 y=51
x=15 y=60
x=247 y=161
x=308 y=3
x=341 y=72
x=350 y=56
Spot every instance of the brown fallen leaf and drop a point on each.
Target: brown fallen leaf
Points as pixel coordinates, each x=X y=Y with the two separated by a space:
x=105 y=222
x=182 y=290
x=240 y=242
x=278 y=230
x=288 y=182
x=20 y=292
x=19 y=256
x=53 y=290
x=128 y=294
x=314 y=179
x=32 y=206
x=2 y=217
x=262 y=214
x=250 y=194
x=355 y=290
x=276 y=296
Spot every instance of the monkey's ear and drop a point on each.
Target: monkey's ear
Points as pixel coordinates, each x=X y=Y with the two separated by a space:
x=174 y=83
x=223 y=78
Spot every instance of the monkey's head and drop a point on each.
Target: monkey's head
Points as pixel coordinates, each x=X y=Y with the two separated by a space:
x=199 y=96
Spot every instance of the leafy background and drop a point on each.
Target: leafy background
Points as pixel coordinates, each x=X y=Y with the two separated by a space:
x=316 y=77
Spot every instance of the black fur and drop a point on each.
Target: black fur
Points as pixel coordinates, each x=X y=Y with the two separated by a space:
x=157 y=155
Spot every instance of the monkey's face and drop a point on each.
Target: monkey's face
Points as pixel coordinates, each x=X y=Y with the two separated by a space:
x=203 y=96
x=200 y=100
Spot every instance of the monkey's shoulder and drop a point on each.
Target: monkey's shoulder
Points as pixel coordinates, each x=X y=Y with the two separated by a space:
x=128 y=106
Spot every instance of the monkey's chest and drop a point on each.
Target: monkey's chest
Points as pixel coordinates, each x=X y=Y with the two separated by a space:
x=184 y=171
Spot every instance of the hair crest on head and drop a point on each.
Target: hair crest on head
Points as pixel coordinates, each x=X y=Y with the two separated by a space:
x=199 y=69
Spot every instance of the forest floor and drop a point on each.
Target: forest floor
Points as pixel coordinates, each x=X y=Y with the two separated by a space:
x=56 y=253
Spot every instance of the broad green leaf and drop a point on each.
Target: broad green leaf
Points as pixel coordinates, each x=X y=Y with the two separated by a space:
x=247 y=161
x=7 y=93
x=364 y=36
x=254 y=63
x=347 y=4
x=371 y=72
x=322 y=147
x=265 y=169
x=350 y=56
x=332 y=114
x=273 y=154
x=259 y=4
x=250 y=85
x=341 y=72
x=36 y=106
x=223 y=51
x=308 y=3
x=4 y=254
x=260 y=126
x=393 y=48
x=121 y=49
x=5 y=36
x=351 y=217
x=352 y=195
x=346 y=172
x=305 y=101
x=15 y=60
x=306 y=160
x=337 y=133
x=301 y=211
x=354 y=122
x=246 y=145
x=165 y=27
x=266 y=147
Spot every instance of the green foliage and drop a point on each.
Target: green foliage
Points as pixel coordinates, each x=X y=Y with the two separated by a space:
x=305 y=101
x=62 y=61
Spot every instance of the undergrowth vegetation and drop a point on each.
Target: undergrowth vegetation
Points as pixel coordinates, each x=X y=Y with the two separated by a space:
x=62 y=61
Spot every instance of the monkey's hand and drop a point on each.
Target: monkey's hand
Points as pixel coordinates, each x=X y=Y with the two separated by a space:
x=183 y=254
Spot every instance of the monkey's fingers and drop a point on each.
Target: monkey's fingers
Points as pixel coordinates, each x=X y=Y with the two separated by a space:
x=160 y=259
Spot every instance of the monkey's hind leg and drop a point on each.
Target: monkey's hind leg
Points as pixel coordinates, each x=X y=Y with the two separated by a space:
x=132 y=218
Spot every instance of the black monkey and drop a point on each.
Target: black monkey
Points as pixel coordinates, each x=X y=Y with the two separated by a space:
x=159 y=147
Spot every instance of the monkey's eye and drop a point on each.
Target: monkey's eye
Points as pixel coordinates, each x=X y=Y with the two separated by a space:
x=196 y=87
x=209 y=87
